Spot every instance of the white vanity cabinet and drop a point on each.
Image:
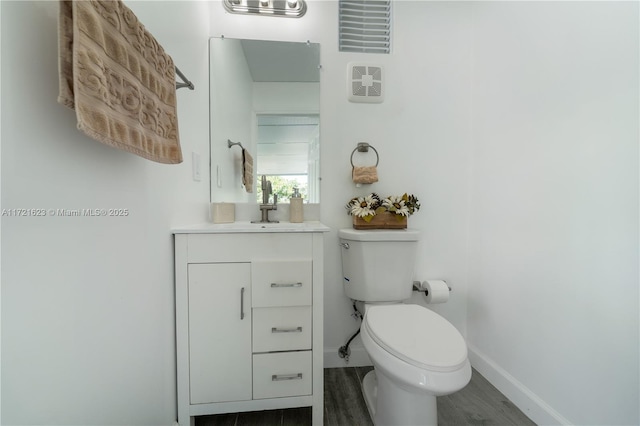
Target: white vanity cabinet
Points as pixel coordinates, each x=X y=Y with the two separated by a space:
x=249 y=319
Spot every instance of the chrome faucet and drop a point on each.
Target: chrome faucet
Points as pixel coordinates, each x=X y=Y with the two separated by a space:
x=265 y=206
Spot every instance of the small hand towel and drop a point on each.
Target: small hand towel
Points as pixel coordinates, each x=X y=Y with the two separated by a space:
x=247 y=170
x=366 y=174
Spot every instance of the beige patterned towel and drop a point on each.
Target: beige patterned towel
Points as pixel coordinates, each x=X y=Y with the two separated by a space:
x=118 y=79
x=247 y=170
x=365 y=174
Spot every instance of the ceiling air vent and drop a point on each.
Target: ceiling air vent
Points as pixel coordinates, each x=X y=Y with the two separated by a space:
x=365 y=26
x=364 y=83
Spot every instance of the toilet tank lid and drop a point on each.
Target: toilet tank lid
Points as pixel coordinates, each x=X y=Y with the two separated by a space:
x=379 y=234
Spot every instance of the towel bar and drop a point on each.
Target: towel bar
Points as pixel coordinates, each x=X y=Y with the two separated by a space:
x=230 y=144
x=186 y=81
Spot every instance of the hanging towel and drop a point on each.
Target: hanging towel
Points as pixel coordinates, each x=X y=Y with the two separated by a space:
x=118 y=79
x=247 y=170
x=364 y=174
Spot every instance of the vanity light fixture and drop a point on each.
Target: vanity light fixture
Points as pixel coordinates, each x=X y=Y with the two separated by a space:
x=286 y=8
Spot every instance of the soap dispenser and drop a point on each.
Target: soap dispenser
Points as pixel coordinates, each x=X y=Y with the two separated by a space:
x=295 y=207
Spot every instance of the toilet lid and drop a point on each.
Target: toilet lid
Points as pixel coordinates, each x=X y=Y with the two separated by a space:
x=417 y=335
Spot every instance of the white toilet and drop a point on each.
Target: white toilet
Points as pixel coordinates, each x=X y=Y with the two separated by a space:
x=417 y=355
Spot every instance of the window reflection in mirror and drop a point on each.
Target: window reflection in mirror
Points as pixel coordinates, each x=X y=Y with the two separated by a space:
x=289 y=154
x=265 y=95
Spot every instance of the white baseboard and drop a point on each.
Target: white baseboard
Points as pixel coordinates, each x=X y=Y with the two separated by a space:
x=523 y=398
x=357 y=358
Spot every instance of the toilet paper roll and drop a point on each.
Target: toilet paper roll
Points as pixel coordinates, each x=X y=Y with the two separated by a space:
x=436 y=291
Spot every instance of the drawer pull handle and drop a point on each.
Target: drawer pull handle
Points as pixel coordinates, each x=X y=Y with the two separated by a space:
x=278 y=285
x=280 y=377
x=286 y=330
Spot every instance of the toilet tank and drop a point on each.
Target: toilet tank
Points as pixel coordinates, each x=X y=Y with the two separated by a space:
x=377 y=264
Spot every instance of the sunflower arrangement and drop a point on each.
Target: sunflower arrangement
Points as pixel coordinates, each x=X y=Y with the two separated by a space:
x=368 y=206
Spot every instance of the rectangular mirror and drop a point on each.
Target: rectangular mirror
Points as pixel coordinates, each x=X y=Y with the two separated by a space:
x=266 y=96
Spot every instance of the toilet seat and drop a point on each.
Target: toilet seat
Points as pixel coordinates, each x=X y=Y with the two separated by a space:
x=417 y=336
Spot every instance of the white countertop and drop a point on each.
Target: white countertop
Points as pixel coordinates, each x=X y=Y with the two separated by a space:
x=249 y=227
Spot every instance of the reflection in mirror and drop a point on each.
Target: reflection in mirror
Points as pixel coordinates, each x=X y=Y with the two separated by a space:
x=288 y=154
x=265 y=95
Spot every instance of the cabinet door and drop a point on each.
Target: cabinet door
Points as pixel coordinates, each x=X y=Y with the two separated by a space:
x=220 y=332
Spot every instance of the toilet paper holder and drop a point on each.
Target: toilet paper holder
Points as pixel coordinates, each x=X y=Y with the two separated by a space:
x=420 y=286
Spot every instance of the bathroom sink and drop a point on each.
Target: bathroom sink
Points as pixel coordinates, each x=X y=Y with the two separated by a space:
x=222 y=228
x=277 y=225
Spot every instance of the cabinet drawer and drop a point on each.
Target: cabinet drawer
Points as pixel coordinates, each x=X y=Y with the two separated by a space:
x=281 y=374
x=204 y=248
x=281 y=329
x=281 y=282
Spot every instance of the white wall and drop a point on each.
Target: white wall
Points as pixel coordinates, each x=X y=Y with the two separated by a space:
x=421 y=133
x=278 y=98
x=87 y=306
x=487 y=107
x=553 y=281
x=231 y=101
x=88 y=303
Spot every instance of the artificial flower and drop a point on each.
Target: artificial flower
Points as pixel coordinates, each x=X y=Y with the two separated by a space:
x=396 y=204
x=364 y=206
x=368 y=206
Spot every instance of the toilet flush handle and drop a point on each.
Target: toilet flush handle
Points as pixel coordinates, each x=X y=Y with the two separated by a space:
x=344 y=245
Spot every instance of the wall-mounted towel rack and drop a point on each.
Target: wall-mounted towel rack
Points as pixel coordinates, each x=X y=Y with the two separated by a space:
x=186 y=82
x=364 y=147
x=364 y=174
x=230 y=144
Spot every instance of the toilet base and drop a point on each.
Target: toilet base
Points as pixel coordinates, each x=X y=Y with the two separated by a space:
x=389 y=404
x=369 y=391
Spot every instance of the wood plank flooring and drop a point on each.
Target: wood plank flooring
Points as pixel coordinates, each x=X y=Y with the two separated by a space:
x=479 y=403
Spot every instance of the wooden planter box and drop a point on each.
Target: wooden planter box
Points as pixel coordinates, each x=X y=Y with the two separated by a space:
x=384 y=220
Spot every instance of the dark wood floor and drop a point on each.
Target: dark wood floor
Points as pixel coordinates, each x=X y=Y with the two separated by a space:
x=479 y=403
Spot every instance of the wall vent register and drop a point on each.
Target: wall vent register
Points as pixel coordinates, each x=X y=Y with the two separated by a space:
x=365 y=26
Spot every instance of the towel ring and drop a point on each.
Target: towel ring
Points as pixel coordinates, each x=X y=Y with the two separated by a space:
x=364 y=147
